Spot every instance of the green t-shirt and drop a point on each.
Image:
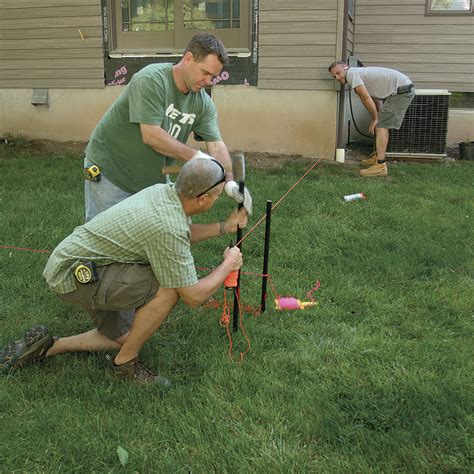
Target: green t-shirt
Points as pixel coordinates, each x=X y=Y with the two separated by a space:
x=150 y=98
x=148 y=227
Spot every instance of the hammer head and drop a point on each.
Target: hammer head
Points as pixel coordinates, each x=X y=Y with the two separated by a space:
x=238 y=166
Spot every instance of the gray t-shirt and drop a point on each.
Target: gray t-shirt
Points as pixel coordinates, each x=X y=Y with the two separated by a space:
x=380 y=82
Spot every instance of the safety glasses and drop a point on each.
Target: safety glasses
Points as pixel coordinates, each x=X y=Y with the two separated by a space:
x=222 y=180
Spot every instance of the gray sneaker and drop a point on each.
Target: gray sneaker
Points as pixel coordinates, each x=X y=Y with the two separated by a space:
x=137 y=372
x=32 y=347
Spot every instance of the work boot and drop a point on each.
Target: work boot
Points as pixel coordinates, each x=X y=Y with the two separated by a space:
x=134 y=370
x=379 y=169
x=32 y=347
x=372 y=160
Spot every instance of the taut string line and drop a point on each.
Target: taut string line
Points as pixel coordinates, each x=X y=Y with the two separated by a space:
x=241 y=240
x=281 y=199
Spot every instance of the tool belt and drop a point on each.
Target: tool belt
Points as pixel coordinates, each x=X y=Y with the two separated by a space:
x=86 y=272
x=92 y=173
x=405 y=89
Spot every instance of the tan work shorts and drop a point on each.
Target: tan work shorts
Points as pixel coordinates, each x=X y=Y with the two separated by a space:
x=112 y=300
x=394 y=109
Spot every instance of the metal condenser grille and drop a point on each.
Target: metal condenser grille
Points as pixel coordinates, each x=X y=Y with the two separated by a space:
x=424 y=127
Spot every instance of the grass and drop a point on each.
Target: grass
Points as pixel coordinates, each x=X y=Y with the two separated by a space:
x=377 y=378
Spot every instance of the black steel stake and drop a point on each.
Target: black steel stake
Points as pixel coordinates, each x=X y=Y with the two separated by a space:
x=235 y=321
x=266 y=252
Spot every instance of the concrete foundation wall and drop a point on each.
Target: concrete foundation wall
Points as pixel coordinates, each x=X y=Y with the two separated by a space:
x=71 y=116
x=287 y=122
x=277 y=121
x=274 y=121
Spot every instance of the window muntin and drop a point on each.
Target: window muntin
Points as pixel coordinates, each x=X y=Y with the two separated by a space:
x=147 y=15
x=211 y=14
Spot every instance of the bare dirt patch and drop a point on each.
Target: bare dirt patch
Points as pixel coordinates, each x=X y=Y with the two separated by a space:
x=44 y=147
x=354 y=154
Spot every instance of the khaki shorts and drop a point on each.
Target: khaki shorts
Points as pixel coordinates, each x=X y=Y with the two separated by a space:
x=394 y=109
x=112 y=300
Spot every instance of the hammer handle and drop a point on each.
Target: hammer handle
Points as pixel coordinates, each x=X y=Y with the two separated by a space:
x=235 y=321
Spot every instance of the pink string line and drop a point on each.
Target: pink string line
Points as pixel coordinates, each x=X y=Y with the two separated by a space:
x=281 y=199
x=240 y=241
x=22 y=248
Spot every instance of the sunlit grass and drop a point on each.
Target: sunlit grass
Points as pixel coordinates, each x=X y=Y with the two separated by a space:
x=376 y=378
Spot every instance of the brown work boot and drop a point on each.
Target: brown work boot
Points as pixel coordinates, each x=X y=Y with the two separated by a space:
x=32 y=347
x=379 y=169
x=372 y=160
x=134 y=370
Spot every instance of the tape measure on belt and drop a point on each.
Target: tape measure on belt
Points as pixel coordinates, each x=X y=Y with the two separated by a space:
x=92 y=173
x=86 y=273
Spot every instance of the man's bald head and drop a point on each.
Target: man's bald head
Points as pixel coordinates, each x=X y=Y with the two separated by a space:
x=199 y=176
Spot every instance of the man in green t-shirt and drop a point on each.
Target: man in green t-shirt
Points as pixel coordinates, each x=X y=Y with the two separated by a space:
x=134 y=256
x=148 y=126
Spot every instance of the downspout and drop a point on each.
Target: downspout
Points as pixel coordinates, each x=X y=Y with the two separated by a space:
x=340 y=148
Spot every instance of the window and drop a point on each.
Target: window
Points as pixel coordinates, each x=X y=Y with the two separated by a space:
x=449 y=6
x=166 y=26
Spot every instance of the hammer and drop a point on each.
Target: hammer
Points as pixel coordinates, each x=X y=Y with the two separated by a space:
x=238 y=170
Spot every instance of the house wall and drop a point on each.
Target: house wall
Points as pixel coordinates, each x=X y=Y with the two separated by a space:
x=297 y=42
x=292 y=111
x=298 y=39
x=277 y=121
x=41 y=44
x=436 y=52
x=250 y=119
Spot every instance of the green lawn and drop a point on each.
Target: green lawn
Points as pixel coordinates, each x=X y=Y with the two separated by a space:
x=377 y=378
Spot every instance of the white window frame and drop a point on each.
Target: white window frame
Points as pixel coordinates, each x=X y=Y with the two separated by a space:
x=173 y=42
x=430 y=11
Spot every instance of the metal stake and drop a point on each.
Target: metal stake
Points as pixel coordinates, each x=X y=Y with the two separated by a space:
x=266 y=252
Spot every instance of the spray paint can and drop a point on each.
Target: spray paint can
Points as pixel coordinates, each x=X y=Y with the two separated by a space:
x=354 y=197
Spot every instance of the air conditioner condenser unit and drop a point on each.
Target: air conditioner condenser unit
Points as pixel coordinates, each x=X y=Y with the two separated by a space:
x=423 y=131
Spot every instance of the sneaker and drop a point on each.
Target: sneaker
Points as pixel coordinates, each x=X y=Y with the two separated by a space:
x=380 y=169
x=134 y=370
x=32 y=347
x=372 y=160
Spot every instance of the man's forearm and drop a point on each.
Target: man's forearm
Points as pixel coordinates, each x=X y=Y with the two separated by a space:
x=206 y=231
x=369 y=104
x=164 y=144
x=219 y=151
x=200 y=292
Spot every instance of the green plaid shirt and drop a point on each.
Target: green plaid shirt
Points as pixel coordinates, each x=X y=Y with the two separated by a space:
x=148 y=227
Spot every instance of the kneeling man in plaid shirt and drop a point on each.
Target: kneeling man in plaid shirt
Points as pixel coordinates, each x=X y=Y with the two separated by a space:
x=129 y=266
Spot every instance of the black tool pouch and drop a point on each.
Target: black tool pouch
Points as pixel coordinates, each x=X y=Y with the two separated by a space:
x=404 y=89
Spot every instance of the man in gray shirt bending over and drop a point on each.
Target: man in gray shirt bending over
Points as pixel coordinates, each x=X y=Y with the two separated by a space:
x=386 y=94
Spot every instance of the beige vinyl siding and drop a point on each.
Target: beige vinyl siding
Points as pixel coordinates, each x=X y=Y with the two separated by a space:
x=41 y=45
x=297 y=41
x=436 y=52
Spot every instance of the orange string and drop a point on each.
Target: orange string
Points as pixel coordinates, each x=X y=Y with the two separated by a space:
x=315 y=288
x=23 y=248
x=225 y=322
x=281 y=199
x=241 y=323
